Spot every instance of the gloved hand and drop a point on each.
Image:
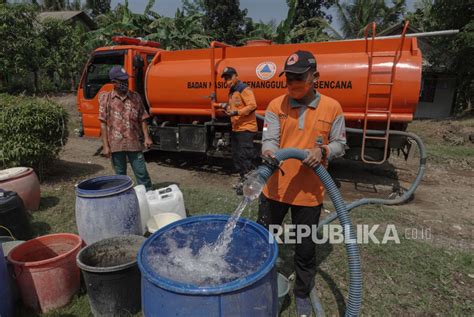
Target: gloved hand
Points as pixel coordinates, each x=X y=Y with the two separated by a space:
x=224 y=105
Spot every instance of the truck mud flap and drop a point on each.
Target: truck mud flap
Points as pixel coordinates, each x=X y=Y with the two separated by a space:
x=167 y=138
x=193 y=138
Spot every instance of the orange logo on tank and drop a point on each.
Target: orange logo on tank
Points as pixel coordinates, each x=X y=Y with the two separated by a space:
x=292 y=59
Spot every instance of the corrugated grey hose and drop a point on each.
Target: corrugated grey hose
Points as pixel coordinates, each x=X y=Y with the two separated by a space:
x=355 y=276
x=377 y=201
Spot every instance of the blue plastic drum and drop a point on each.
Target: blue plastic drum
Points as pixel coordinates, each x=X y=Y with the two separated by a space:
x=252 y=250
x=6 y=299
x=106 y=207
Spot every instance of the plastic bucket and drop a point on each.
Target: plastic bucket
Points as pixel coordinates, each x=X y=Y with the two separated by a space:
x=46 y=270
x=6 y=298
x=111 y=275
x=106 y=207
x=14 y=219
x=254 y=294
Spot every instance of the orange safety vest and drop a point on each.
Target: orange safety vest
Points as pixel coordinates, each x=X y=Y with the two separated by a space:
x=242 y=99
x=299 y=185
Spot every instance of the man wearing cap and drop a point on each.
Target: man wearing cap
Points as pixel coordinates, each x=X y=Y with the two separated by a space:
x=241 y=110
x=123 y=123
x=305 y=119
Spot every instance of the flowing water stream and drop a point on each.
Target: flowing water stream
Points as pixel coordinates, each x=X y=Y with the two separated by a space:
x=206 y=266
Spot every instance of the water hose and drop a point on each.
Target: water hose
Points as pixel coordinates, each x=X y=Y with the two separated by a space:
x=378 y=201
x=355 y=276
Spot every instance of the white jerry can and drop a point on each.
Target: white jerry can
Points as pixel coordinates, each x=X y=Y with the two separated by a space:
x=140 y=190
x=166 y=200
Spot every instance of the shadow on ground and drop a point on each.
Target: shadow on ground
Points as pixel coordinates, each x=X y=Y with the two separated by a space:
x=65 y=171
x=363 y=177
x=286 y=267
x=192 y=162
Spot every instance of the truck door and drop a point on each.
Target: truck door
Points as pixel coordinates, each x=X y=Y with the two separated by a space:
x=94 y=81
x=98 y=71
x=141 y=61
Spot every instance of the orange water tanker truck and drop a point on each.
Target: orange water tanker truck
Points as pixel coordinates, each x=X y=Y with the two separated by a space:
x=376 y=80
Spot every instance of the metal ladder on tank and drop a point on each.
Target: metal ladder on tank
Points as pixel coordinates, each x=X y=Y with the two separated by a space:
x=369 y=110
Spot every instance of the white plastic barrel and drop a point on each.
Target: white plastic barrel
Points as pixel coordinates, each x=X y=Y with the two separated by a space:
x=140 y=190
x=168 y=199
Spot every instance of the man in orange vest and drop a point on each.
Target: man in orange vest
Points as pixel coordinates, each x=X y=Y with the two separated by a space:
x=304 y=119
x=241 y=110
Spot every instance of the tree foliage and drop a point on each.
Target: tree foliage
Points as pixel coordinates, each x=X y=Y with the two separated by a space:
x=354 y=16
x=182 y=32
x=55 y=51
x=223 y=20
x=307 y=21
x=450 y=53
x=23 y=49
x=34 y=133
x=98 y=7
x=50 y=52
x=66 y=53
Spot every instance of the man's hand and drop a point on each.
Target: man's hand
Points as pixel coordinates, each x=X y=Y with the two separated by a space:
x=148 y=142
x=314 y=157
x=269 y=153
x=106 y=151
x=224 y=105
x=232 y=113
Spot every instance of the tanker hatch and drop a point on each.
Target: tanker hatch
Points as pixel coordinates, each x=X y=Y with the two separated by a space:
x=259 y=43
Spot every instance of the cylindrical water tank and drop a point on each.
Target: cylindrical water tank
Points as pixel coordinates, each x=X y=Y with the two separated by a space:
x=179 y=81
x=254 y=294
x=107 y=206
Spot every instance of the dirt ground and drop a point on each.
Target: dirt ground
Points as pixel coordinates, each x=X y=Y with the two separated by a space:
x=443 y=203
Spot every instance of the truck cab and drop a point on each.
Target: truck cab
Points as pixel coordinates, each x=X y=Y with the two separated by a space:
x=134 y=55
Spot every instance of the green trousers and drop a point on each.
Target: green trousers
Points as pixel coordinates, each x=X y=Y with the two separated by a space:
x=137 y=161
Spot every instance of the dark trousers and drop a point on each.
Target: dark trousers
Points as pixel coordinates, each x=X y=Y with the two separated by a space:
x=243 y=151
x=137 y=161
x=271 y=212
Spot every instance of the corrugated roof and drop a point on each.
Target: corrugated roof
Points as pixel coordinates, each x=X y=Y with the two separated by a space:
x=60 y=15
x=66 y=16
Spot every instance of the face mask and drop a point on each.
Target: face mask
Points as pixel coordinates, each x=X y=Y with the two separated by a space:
x=231 y=81
x=299 y=89
x=122 y=87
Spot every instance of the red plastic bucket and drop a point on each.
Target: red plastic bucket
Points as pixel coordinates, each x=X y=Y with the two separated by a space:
x=46 y=270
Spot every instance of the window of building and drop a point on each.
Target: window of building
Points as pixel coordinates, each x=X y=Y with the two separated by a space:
x=428 y=89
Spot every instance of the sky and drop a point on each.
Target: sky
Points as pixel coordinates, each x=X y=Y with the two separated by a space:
x=265 y=10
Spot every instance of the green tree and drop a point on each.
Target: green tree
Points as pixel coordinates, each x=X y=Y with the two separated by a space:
x=67 y=54
x=182 y=32
x=54 y=5
x=309 y=20
x=23 y=50
x=450 y=53
x=120 y=21
x=75 y=5
x=309 y=30
x=192 y=7
x=354 y=16
x=98 y=7
x=262 y=30
x=224 y=21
